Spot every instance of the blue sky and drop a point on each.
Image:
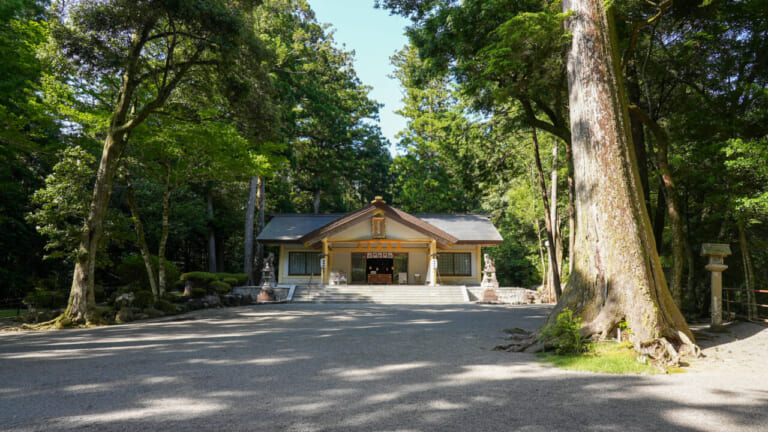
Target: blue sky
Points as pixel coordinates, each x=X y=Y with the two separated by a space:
x=375 y=36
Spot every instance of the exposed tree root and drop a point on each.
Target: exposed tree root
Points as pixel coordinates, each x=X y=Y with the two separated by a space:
x=661 y=352
x=61 y=322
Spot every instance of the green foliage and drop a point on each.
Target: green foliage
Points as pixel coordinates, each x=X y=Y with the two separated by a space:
x=199 y=292
x=166 y=307
x=133 y=271
x=10 y=313
x=239 y=278
x=199 y=279
x=230 y=281
x=62 y=204
x=42 y=298
x=564 y=335
x=169 y=296
x=603 y=357
x=220 y=287
x=143 y=299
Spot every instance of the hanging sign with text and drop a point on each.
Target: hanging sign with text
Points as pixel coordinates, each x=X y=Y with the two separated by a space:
x=370 y=255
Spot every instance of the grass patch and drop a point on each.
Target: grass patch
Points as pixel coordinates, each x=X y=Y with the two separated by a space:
x=602 y=357
x=10 y=313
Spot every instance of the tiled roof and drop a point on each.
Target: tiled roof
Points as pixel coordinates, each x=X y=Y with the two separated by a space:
x=292 y=227
x=466 y=228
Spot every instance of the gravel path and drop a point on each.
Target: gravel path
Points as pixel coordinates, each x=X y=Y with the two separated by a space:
x=352 y=367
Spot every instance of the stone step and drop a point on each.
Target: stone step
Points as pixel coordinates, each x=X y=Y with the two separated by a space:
x=383 y=294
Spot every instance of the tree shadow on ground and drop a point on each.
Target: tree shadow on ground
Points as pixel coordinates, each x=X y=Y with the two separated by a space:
x=313 y=368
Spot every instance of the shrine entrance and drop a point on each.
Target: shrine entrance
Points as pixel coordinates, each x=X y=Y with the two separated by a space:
x=378 y=267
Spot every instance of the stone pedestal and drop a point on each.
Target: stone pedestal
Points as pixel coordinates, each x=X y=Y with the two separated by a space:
x=717 y=253
x=267 y=293
x=489 y=282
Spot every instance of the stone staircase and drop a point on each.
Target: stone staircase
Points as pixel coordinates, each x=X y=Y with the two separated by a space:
x=381 y=294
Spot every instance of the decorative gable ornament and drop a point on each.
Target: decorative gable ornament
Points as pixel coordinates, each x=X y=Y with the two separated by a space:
x=379 y=227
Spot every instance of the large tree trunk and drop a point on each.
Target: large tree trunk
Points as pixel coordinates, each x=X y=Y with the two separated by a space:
x=141 y=240
x=211 y=235
x=82 y=299
x=316 y=203
x=617 y=273
x=164 y=233
x=250 y=212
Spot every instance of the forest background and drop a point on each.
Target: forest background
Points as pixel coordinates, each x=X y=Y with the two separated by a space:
x=288 y=127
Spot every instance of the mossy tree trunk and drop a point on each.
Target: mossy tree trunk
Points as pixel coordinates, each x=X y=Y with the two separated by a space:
x=82 y=300
x=617 y=273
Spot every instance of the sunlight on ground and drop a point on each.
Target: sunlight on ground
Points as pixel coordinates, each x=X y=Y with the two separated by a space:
x=380 y=372
x=164 y=409
x=269 y=361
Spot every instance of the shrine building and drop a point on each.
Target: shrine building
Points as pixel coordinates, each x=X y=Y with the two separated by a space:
x=380 y=244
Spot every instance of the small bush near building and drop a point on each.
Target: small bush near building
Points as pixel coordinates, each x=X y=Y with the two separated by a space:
x=143 y=299
x=240 y=278
x=221 y=287
x=232 y=282
x=199 y=279
x=199 y=292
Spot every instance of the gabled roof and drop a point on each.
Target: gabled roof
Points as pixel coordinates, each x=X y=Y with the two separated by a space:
x=467 y=228
x=292 y=227
x=446 y=229
x=391 y=212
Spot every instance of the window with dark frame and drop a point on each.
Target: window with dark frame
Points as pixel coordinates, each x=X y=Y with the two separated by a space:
x=454 y=264
x=303 y=263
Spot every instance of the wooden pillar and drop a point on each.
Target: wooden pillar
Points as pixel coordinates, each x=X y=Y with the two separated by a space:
x=326 y=274
x=432 y=258
x=479 y=263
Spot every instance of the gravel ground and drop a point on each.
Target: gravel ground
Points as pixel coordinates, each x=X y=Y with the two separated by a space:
x=352 y=367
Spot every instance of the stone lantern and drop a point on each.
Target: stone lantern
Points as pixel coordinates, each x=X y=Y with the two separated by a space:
x=716 y=253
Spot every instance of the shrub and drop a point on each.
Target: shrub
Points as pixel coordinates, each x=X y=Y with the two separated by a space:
x=178 y=286
x=166 y=307
x=133 y=272
x=199 y=292
x=199 y=279
x=46 y=299
x=240 y=278
x=232 y=282
x=221 y=287
x=143 y=299
x=564 y=334
x=169 y=297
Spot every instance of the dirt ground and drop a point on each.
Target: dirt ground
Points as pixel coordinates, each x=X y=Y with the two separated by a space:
x=743 y=346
